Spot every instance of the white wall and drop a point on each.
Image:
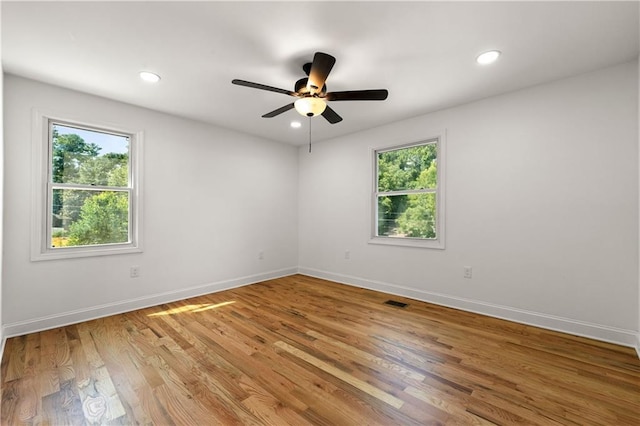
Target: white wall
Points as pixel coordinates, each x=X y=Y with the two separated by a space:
x=2 y=340
x=542 y=202
x=2 y=334
x=212 y=199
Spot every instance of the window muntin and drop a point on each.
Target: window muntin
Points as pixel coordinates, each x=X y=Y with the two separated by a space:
x=407 y=195
x=86 y=198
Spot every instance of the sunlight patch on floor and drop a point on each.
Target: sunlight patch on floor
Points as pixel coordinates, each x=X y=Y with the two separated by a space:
x=191 y=308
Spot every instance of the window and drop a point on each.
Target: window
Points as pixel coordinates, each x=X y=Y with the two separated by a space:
x=88 y=200
x=408 y=196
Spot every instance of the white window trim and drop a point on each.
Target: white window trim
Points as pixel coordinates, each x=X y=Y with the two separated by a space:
x=436 y=243
x=40 y=249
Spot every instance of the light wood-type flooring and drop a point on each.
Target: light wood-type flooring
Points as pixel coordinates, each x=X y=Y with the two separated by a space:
x=299 y=351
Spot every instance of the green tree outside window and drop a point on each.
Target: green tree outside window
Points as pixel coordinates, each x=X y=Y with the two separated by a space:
x=407 y=183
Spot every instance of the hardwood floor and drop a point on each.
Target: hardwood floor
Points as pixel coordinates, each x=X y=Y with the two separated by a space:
x=299 y=351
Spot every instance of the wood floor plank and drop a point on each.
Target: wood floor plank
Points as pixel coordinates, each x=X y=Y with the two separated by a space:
x=316 y=392
x=29 y=402
x=328 y=368
x=13 y=368
x=9 y=409
x=446 y=403
x=300 y=350
x=152 y=408
x=367 y=356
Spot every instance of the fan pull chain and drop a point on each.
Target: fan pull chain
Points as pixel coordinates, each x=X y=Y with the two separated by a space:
x=309 y=134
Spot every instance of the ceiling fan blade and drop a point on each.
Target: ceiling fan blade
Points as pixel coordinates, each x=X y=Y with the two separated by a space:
x=262 y=87
x=278 y=111
x=358 y=95
x=331 y=116
x=320 y=69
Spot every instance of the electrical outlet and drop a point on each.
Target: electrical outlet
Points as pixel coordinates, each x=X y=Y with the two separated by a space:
x=468 y=271
x=347 y=255
x=134 y=271
x=260 y=255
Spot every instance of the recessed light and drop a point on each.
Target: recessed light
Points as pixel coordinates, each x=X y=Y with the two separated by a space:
x=149 y=76
x=488 y=57
x=296 y=124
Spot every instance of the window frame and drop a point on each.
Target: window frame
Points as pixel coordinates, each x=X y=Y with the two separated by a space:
x=43 y=186
x=431 y=243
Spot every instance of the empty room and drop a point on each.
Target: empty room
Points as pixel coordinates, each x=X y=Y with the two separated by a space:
x=320 y=213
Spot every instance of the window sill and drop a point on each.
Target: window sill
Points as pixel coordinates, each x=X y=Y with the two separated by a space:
x=408 y=242
x=72 y=253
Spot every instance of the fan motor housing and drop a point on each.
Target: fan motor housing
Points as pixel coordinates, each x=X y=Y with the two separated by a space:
x=301 y=85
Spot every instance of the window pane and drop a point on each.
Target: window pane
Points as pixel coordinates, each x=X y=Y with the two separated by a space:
x=82 y=217
x=407 y=216
x=408 y=168
x=89 y=157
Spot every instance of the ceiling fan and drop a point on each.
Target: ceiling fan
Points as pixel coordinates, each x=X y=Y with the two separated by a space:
x=312 y=91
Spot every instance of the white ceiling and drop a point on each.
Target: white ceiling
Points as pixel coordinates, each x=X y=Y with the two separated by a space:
x=422 y=52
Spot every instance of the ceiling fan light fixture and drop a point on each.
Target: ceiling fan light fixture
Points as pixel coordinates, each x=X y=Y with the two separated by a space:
x=489 y=57
x=310 y=107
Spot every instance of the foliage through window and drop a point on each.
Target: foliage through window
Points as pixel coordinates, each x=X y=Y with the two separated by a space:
x=90 y=202
x=406 y=195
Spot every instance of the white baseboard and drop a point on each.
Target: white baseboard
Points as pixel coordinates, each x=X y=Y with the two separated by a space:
x=74 y=317
x=618 y=336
